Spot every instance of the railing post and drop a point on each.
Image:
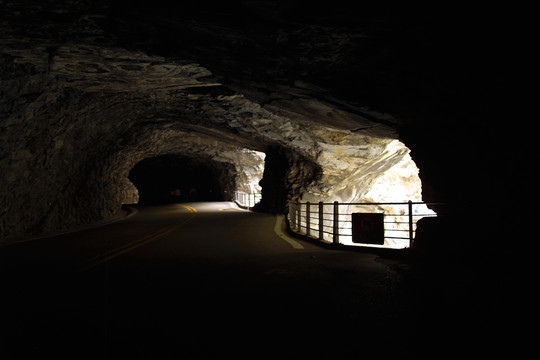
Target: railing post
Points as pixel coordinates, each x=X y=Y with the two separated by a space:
x=299 y=209
x=321 y=220
x=308 y=218
x=292 y=214
x=411 y=233
x=336 y=223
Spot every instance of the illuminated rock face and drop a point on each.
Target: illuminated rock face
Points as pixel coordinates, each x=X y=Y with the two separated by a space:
x=374 y=170
x=378 y=170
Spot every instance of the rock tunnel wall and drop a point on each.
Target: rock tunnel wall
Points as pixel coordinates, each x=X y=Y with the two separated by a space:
x=67 y=152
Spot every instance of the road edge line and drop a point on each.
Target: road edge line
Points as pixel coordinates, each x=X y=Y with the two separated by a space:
x=278 y=229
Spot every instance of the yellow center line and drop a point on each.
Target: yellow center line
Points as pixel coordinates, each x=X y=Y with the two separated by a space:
x=108 y=255
x=189 y=208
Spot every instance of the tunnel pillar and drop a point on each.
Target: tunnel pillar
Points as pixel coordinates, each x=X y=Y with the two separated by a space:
x=274 y=191
x=286 y=175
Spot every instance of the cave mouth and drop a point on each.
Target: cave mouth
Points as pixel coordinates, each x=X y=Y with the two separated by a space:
x=170 y=179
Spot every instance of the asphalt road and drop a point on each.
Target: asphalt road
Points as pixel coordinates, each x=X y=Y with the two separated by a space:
x=202 y=280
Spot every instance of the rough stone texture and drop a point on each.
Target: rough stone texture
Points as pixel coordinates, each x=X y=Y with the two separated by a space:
x=90 y=130
x=334 y=97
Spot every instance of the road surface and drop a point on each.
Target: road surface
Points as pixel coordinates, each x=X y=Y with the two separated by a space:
x=200 y=280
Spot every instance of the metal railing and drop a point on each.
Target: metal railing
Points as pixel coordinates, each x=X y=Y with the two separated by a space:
x=247 y=200
x=332 y=222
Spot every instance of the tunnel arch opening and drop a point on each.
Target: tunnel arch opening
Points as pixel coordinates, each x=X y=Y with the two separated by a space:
x=174 y=178
x=278 y=175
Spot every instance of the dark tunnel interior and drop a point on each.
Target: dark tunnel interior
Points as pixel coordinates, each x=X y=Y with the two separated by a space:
x=169 y=179
x=419 y=113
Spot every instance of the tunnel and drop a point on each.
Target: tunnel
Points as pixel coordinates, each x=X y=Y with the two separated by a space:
x=109 y=108
x=171 y=179
x=342 y=100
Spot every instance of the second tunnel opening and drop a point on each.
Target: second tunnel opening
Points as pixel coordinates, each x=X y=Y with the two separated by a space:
x=172 y=178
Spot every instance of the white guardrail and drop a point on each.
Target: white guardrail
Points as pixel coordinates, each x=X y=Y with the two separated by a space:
x=388 y=224
x=247 y=200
